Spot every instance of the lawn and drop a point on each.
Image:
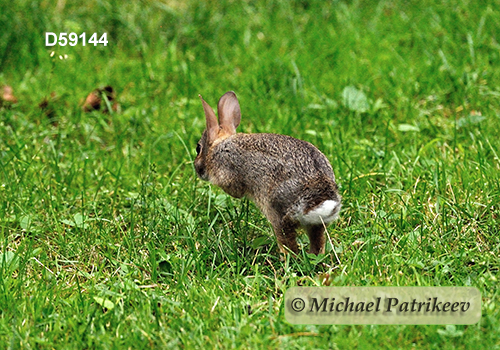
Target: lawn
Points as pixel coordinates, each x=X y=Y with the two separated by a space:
x=109 y=240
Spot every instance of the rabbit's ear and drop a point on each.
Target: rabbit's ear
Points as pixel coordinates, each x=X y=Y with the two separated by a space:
x=229 y=112
x=212 y=124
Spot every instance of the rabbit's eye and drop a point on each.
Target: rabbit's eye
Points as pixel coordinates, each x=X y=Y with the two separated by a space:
x=198 y=149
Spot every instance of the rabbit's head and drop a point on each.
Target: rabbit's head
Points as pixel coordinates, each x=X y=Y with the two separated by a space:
x=229 y=113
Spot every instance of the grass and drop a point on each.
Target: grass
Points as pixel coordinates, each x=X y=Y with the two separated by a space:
x=108 y=239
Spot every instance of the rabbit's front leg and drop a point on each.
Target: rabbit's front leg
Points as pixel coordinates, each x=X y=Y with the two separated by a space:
x=316 y=235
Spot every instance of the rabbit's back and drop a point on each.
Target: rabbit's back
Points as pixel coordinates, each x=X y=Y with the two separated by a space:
x=280 y=156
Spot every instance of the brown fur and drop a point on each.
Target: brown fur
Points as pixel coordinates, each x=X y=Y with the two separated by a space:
x=284 y=176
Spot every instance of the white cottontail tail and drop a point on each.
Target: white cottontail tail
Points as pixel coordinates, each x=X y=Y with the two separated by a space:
x=290 y=180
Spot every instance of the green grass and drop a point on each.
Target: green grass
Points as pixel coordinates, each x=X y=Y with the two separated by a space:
x=108 y=239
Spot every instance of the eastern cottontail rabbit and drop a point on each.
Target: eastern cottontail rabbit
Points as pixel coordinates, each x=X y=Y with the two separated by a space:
x=290 y=180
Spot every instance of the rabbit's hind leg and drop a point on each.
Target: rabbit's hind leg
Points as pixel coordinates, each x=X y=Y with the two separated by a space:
x=316 y=235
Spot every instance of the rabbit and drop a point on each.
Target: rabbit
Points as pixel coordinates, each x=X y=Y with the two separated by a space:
x=290 y=180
